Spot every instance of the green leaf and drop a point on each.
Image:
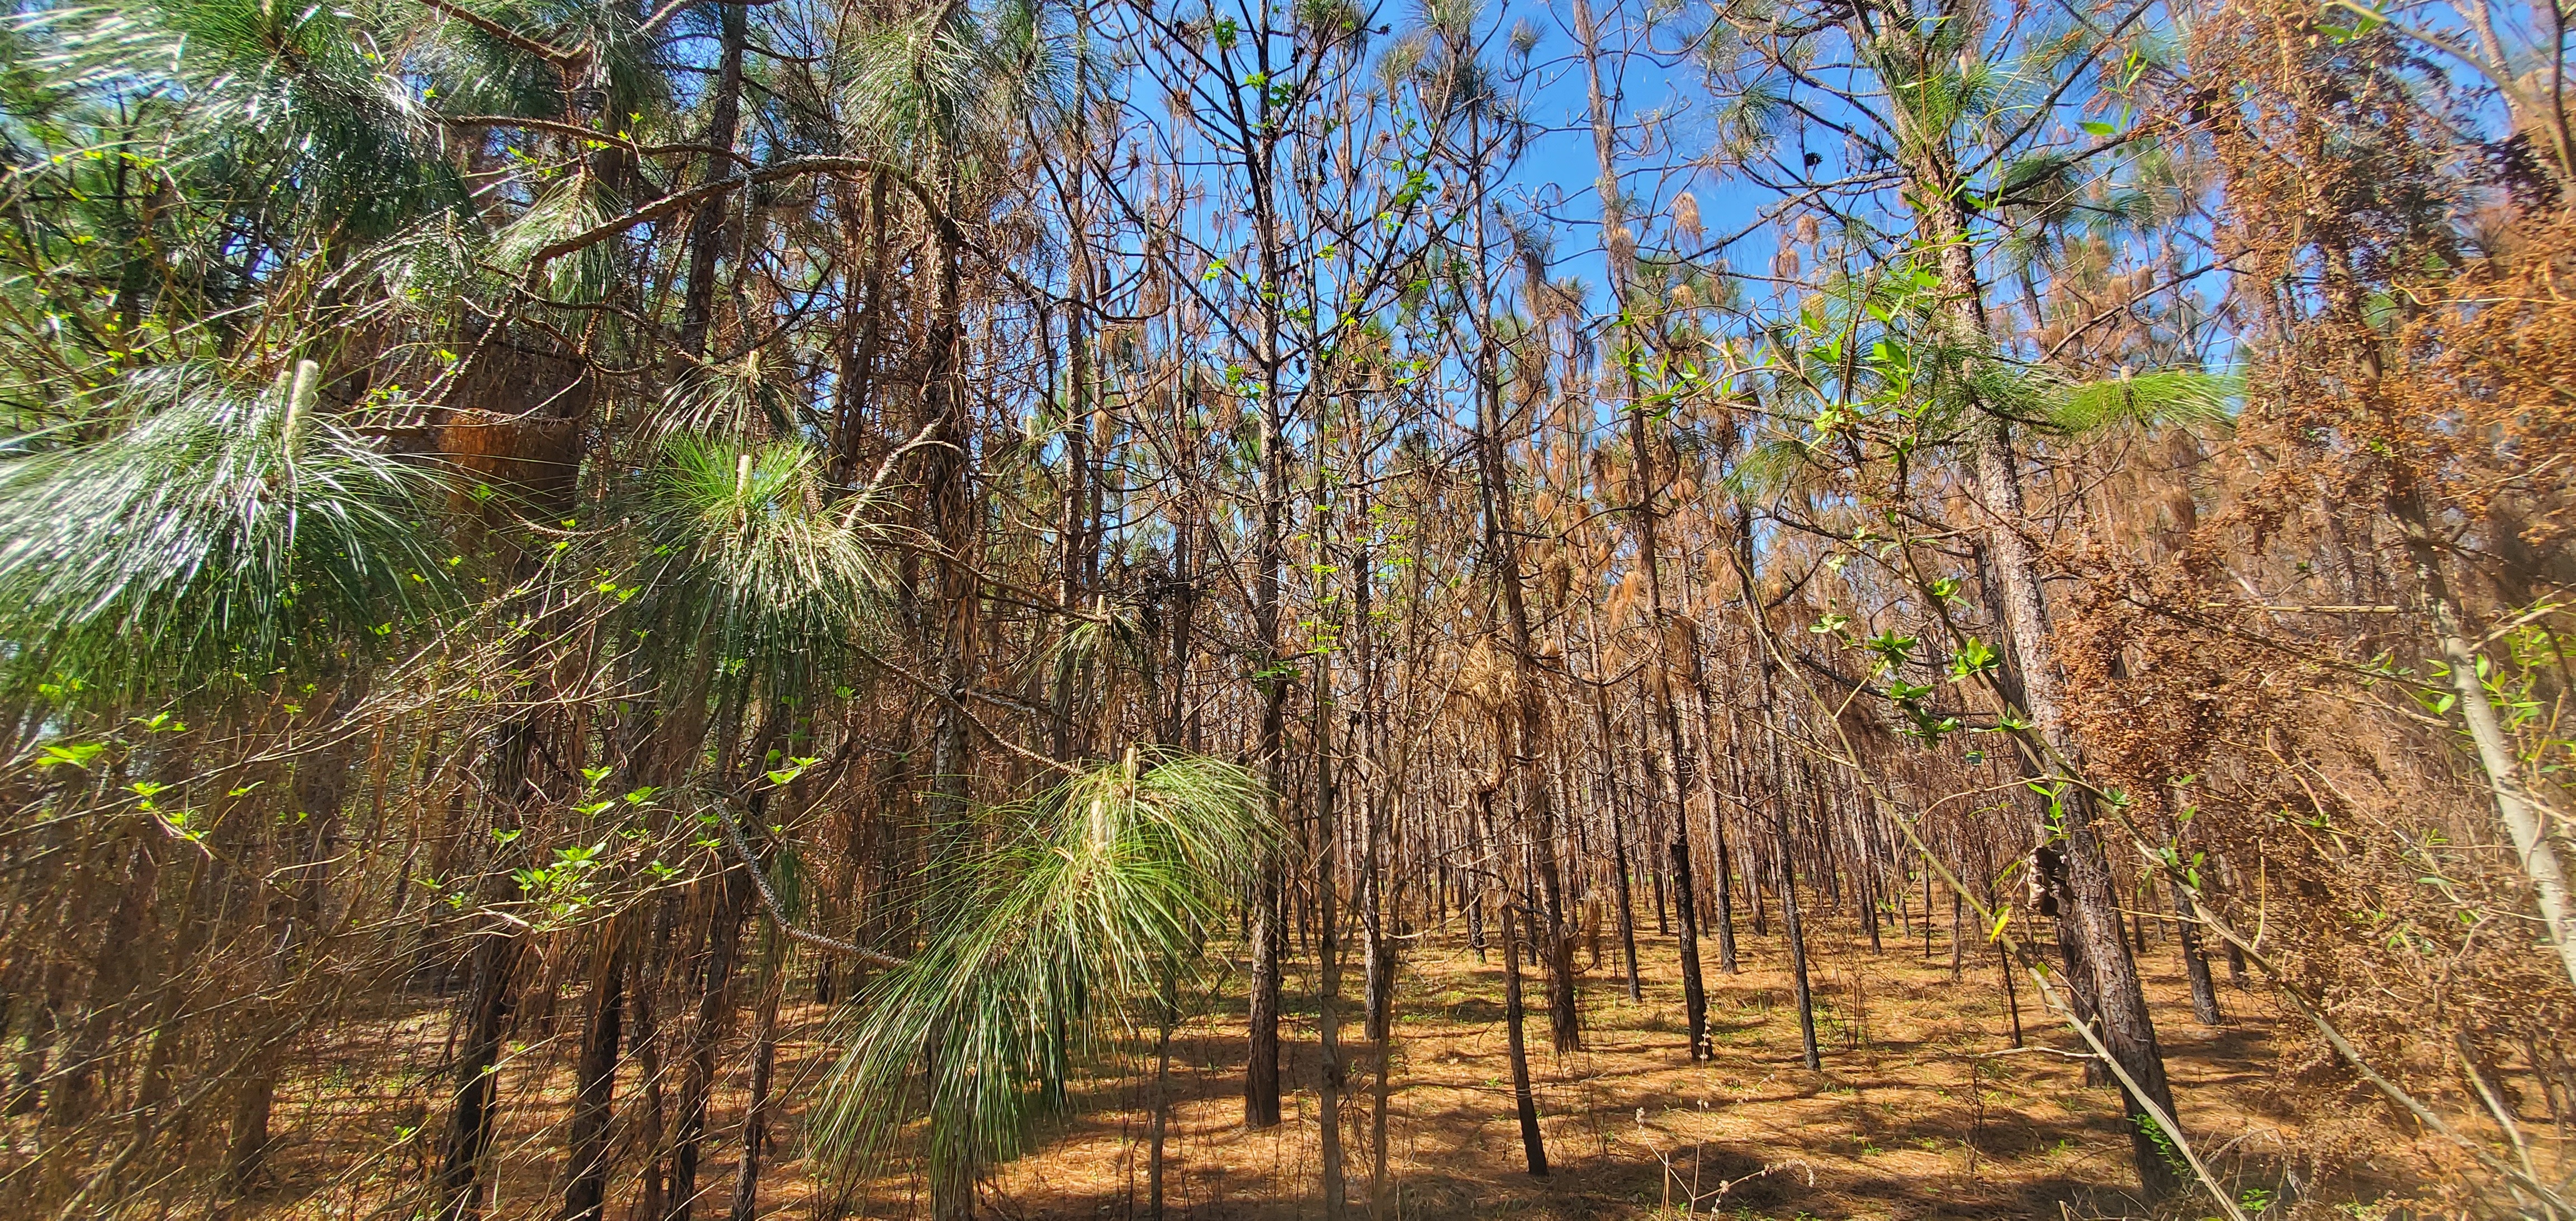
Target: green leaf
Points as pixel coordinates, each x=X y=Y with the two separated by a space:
x=77 y=754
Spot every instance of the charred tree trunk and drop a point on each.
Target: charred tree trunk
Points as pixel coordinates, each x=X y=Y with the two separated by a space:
x=1524 y=1099
x=1694 y=987
x=1790 y=924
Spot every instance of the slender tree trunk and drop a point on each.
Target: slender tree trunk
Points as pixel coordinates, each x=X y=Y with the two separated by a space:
x=1260 y=155
x=1167 y=1011
x=1627 y=907
x=1328 y=1066
x=250 y=1139
x=1261 y=1074
x=2531 y=838
x=1797 y=934
x=706 y=227
x=706 y=1033
x=1378 y=1099
x=494 y=961
x=595 y=1083
x=2195 y=964
x=1725 y=897
x=955 y=623
x=857 y=369
x=2012 y=1001
x=1502 y=554
x=1649 y=795
x=1382 y=844
x=1621 y=870
x=320 y=787
x=1524 y=1099
x=1722 y=896
x=1659 y=680
x=469 y=1127
x=1694 y=986
x=646 y=1046
x=1958 y=944
x=764 y=1063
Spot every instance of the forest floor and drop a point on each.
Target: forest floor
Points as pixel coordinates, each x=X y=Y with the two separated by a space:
x=1923 y=1108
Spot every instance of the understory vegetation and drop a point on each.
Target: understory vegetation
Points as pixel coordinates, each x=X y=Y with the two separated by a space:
x=1205 y=607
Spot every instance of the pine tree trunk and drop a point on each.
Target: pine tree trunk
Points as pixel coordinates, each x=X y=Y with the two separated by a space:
x=1328 y=1066
x=1958 y=944
x=764 y=1064
x=1524 y=1099
x=2195 y=964
x=1378 y=1098
x=459 y=1185
x=706 y=1034
x=1167 y=1011
x=1261 y=1072
x=1694 y=986
x=646 y=1046
x=2125 y=1026
x=494 y=961
x=1724 y=899
x=706 y=228
x=1787 y=859
x=2532 y=842
x=1627 y=906
x=595 y=1083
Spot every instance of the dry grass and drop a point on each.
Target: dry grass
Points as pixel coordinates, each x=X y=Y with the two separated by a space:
x=1921 y=1111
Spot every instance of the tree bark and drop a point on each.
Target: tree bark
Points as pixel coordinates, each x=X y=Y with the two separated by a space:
x=2522 y=821
x=764 y=1064
x=1797 y=933
x=1260 y=151
x=595 y=1083
x=2050 y=750
x=1694 y=987
x=2195 y=963
x=706 y=1033
x=469 y=1126
x=706 y=227
x=1524 y=1099
x=1328 y=1059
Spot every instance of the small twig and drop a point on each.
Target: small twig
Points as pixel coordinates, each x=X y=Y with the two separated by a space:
x=558 y=56
x=2034 y=1050
x=778 y=911
x=886 y=468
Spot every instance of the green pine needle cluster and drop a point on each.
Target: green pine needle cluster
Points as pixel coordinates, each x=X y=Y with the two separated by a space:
x=1102 y=889
x=222 y=535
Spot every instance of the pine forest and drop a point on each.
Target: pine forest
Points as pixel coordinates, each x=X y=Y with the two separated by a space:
x=1287 y=610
